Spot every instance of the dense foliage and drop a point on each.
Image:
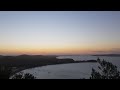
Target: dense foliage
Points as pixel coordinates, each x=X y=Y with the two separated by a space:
x=6 y=72
x=23 y=76
x=106 y=71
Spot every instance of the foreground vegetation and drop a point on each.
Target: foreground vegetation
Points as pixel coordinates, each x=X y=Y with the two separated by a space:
x=23 y=76
x=106 y=71
x=6 y=73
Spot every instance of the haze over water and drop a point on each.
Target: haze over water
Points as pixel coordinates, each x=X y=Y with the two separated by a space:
x=59 y=32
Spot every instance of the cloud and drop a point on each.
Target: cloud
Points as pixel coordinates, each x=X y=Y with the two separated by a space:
x=111 y=51
x=99 y=51
x=115 y=50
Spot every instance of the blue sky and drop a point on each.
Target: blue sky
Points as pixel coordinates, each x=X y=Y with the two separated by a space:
x=59 y=32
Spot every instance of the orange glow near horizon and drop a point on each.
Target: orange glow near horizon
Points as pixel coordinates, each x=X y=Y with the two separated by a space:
x=59 y=32
x=53 y=50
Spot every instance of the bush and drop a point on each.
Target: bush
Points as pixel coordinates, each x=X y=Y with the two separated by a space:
x=106 y=71
x=23 y=76
x=6 y=72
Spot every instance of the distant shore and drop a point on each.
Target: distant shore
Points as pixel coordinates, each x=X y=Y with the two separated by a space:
x=110 y=55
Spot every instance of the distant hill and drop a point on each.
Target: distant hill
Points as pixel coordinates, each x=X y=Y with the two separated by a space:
x=31 y=60
x=23 y=55
x=112 y=55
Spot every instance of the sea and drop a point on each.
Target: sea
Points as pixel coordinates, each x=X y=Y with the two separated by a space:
x=73 y=70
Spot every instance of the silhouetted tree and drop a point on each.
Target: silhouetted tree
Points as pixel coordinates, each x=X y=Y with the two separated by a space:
x=23 y=76
x=29 y=76
x=5 y=72
x=106 y=71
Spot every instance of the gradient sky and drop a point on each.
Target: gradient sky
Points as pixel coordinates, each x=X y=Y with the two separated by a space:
x=59 y=32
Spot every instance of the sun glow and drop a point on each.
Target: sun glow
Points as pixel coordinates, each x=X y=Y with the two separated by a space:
x=59 y=32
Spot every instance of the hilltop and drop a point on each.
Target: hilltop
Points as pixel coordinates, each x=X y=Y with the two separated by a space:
x=31 y=60
x=22 y=62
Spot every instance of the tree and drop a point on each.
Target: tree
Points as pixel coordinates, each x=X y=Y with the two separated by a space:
x=106 y=71
x=29 y=76
x=5 y=72
x=23 y=76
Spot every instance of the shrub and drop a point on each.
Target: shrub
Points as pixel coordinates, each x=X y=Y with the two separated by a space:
x=23 y=76
x=106 y=71
x=5 y=72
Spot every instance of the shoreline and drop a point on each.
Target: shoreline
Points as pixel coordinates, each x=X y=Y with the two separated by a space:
x=24 y=68
x=22 y=62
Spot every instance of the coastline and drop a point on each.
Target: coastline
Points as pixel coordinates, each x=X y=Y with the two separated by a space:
x=22 y=62
x=24 y=68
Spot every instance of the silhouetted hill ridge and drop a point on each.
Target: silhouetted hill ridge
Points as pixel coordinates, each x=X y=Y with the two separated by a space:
x=31 y=60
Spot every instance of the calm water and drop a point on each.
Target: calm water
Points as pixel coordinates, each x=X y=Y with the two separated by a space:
x=70 y=71
x=114 y=60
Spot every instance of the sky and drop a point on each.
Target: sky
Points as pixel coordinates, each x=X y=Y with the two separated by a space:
x=59 y=32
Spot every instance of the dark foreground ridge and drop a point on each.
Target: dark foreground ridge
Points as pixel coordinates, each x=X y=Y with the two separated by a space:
x=22 y=62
